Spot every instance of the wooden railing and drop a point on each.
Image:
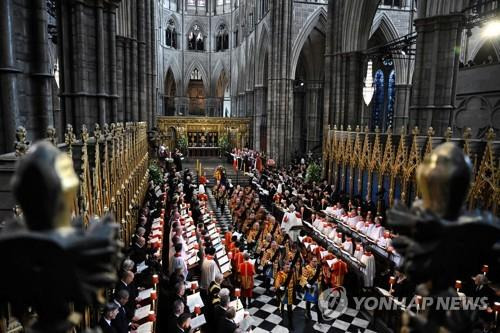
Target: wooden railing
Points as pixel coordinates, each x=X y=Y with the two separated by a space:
x=383 y=166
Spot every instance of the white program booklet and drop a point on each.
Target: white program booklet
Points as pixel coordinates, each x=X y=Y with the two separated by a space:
x=193 y=300
x=198 y=321
x=145 y=328
x=226 y=267
x=142 y=312
x=145 y=294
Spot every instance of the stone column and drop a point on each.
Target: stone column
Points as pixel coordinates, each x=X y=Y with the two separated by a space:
x=313 y=114
x=141 y=61
x=436 y=69
x=260 y=105
x=241 y=104
x=113 y=54
x=280 y=120
x=100 y=62
x=9 y=106
x=402 y=105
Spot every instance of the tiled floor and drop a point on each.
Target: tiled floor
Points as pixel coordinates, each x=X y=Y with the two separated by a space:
x=265 y=313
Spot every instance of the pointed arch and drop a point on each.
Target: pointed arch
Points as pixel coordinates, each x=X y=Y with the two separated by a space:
x=176 y=71
x=480 y=44
x=218 y=69
x=264 y=49
x=317 y=18
x=204 y=76
x=385 y=24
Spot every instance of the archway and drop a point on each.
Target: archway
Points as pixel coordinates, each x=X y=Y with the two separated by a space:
x=381 y=108
x=196 y=94
x=223 y=96
x=170 y=90
x=307 y=88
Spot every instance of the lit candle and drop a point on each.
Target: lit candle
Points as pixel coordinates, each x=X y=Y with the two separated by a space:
x=485 y=269
x=151 y=316
x=155 y=279
x=458 y=285
x=153 y=295
x=237 y=292
x=419 y=302
x=392 y=280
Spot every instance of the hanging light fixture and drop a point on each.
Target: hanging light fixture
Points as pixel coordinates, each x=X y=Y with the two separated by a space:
x=368 y=89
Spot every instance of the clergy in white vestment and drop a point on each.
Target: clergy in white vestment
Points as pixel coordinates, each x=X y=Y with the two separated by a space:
x=209 y=269
x=369 y=260
x=289 y=221
x=348 y=245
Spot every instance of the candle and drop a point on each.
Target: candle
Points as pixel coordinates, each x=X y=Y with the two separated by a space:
x=458 y=285
x=153 y=295
x=237 y=292
x=392 y=280
x=193 y=286
x=485 y=269
x=155 y=279
x=151 y=316
x=197 y=309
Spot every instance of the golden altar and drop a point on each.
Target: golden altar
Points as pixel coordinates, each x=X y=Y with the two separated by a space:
x=203 y=136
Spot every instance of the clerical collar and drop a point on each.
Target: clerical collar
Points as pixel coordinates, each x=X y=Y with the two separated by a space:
x=107 y=321
x=126 y=285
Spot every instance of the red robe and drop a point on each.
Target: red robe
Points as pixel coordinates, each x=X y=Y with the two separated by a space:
x=237 y=260
x=339 y=271
x=247 y=271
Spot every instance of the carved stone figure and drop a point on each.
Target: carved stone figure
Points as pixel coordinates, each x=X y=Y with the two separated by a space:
x=440 y=244
x=50 y=262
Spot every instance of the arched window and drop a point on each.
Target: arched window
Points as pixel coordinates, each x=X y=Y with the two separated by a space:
x=378 y=105
x=195 y=74
x=393 y=3
x=196 y=41
x=171 y=34
x=222 y=38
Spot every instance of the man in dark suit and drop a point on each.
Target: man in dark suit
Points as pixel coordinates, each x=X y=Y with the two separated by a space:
x=105 y=323
x=121 y=321
x=227 y=324
x=178 y=310
x=183 y=323
x=127 y=283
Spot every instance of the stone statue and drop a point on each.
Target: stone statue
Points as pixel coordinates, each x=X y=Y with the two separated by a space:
x=49 y=262
x=440 y=244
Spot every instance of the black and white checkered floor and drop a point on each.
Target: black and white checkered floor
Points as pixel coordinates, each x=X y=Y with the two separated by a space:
x=265 y=312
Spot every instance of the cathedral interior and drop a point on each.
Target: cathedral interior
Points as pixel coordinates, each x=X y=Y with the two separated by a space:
x=250 y=166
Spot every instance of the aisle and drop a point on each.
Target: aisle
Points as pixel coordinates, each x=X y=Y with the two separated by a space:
x=264 y=309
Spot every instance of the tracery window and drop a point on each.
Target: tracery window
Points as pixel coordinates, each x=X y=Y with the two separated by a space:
x=171 y=34
x=222 y=38
x=196 y=41
x=195 y=74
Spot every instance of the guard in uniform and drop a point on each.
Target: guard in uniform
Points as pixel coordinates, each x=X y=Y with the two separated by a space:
x=310 y=280
x=285 y=291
